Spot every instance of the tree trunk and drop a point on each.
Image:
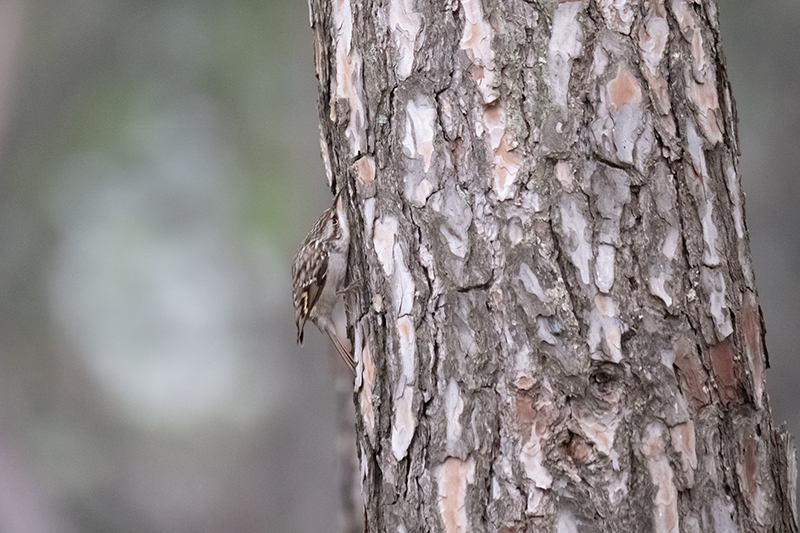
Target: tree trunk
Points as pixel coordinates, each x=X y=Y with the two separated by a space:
x=556 y=319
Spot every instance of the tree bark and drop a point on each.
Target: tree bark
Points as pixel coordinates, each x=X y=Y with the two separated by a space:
x=556 y=320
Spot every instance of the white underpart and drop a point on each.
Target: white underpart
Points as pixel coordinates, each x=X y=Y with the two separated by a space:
x=339 y=320
x=404 y=24
x=564 y=46
x=419 y=134
x=404 y=422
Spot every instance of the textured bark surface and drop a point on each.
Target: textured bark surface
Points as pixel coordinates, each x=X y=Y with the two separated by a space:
x=556 y=322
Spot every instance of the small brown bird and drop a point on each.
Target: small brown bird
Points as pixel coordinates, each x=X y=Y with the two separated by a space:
x=318 y=274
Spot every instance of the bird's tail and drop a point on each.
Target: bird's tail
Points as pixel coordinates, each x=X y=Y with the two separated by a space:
x=344 y=353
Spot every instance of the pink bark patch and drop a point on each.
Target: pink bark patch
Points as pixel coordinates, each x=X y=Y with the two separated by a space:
x=624 y=89
x=453 y=478
x=366 y=170
x=750 y=325
x=750 y=463
x=723 y=365
x=691 y=373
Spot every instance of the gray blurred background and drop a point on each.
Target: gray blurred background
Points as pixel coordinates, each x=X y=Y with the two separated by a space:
x=159 y=163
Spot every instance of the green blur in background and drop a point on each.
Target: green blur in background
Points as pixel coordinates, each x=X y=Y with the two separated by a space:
x=159 y=164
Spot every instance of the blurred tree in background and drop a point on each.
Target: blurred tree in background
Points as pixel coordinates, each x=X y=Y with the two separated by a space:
x=159 y=163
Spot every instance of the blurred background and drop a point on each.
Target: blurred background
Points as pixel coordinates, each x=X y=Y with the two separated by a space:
x=159 y=164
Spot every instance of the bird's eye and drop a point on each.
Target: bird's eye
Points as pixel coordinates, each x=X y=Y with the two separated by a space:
x=335 y=220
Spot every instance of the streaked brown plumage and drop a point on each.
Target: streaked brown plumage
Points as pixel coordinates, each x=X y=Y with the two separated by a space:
x=318 y=274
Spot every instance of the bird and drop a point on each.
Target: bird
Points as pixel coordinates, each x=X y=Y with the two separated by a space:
x=318 y=274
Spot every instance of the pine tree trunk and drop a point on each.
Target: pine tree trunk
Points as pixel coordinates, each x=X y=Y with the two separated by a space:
x=555 y=319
